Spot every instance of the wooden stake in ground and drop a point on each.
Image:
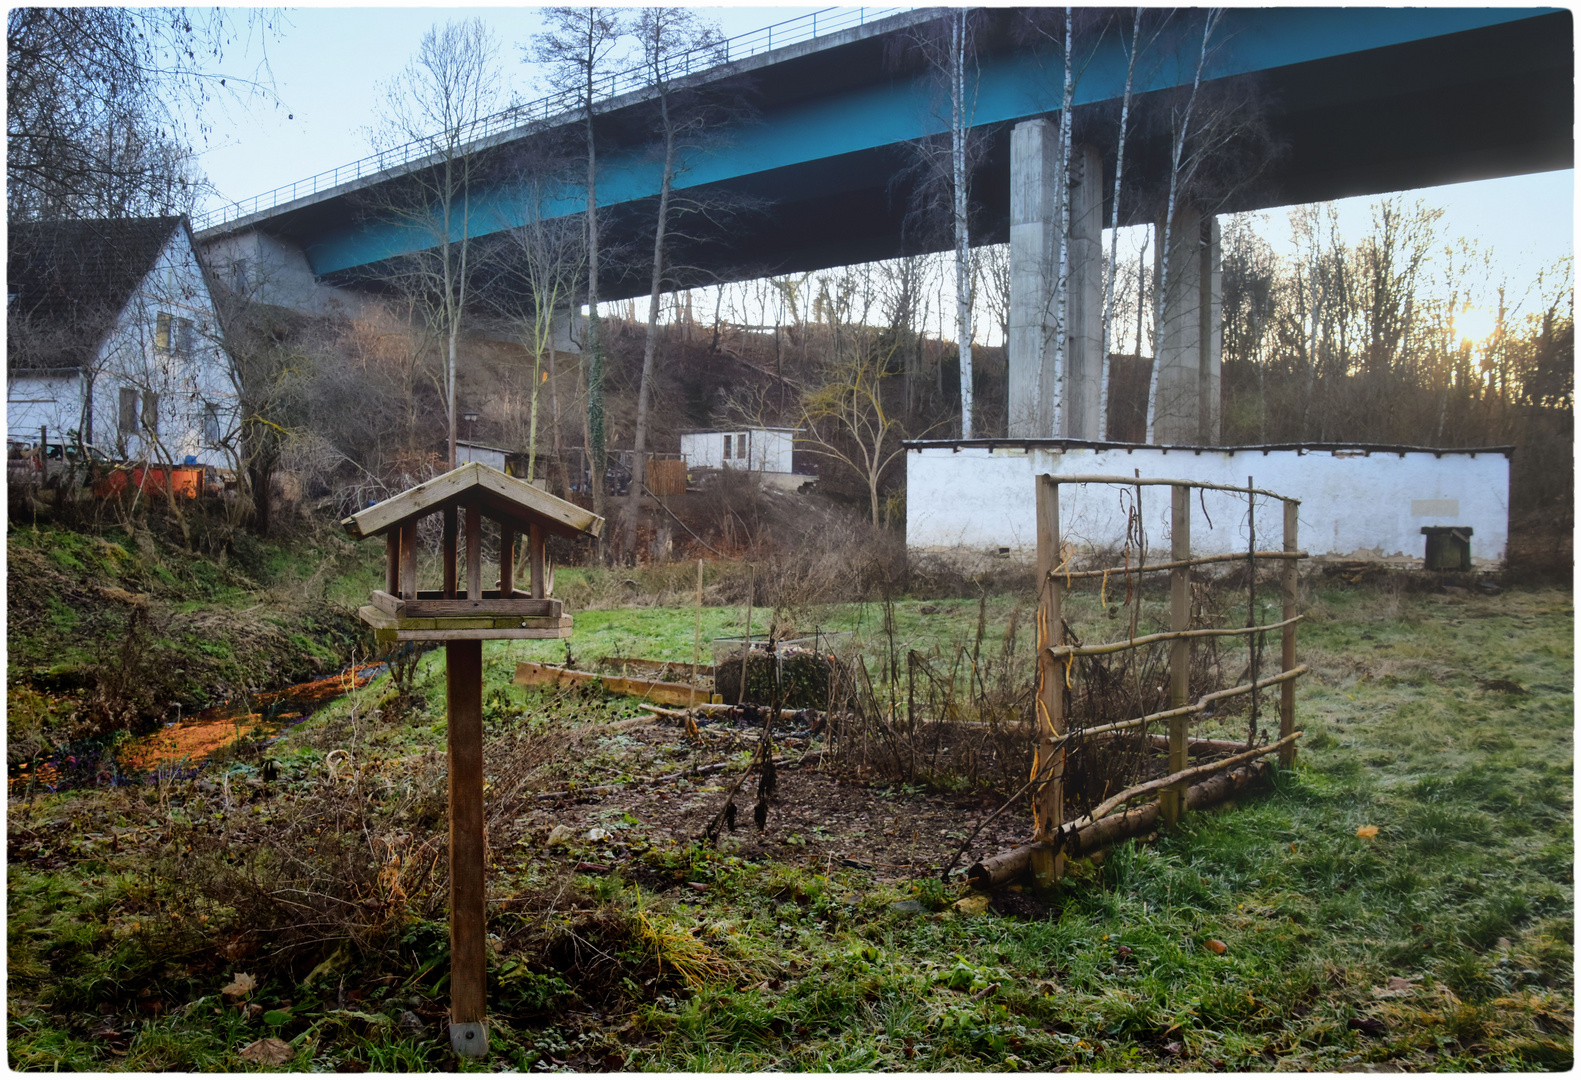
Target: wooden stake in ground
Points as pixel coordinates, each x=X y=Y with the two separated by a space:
x=468 y=961
x=746 y=651
x=697 y=646
x=1173 y=802
x=1287 y=693
x=1048 y=759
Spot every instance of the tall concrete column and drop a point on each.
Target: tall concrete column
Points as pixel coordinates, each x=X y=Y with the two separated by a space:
x=1038 y=407
x=1190 y=340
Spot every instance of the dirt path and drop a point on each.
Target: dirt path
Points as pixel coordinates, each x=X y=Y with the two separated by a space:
x=820 y=818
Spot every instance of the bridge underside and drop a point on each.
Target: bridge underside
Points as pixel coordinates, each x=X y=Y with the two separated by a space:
x=1496 y=101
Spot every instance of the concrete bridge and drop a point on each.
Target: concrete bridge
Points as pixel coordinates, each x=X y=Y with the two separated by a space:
x=1348 y=101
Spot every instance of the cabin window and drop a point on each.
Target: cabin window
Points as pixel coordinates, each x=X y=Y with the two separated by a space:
x=162 y=332
x=727 y=447
x=741 y=445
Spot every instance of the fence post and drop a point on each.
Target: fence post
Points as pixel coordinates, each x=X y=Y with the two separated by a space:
x=1048 y=760
x=1173 y=800
x=1287 y=691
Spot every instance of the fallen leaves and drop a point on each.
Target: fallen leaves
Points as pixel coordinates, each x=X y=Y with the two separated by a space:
x=1396 y=987
x=1367 y=832
x=974 y=904
x=1214 y=945
x=268 y=1051
x=240 y=986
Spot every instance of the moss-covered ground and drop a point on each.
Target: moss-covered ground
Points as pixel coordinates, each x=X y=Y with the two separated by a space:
x=1403 y=897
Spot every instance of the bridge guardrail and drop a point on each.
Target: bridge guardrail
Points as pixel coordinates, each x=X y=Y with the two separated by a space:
x=743 y=46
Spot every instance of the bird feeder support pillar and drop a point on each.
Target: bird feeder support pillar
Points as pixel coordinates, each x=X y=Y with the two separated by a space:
x=535 y=560
x=449 y=556
x=468 y=960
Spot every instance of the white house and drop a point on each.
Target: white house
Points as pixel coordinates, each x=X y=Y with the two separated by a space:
x=112 y=334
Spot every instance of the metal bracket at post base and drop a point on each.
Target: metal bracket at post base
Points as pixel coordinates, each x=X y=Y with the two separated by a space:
x=470 y=1040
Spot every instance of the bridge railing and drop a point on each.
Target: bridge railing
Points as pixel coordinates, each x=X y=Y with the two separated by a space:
x=743 y=46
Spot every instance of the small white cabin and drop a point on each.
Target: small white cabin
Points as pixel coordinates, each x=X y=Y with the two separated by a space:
x=760 y=449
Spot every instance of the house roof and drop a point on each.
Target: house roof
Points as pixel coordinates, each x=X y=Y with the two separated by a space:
x=501 y=497
x=69 y=280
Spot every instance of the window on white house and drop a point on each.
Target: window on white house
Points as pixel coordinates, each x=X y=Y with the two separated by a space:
x=127 y=420
x=727 y=447
x=211 y=425
x=151 y=413
x=172 y=335
x=741 y=445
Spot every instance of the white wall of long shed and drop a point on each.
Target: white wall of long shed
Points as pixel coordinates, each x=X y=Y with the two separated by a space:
x=1354 y=503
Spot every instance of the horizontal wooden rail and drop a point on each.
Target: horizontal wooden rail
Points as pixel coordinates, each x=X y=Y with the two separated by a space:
x=1247 y=688
x=1135 y=481
x=1181 y=777
x=1153 y=568
x=1168 y=635
x=1198 y=706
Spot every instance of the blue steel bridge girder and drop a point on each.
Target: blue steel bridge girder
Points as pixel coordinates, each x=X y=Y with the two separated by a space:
x=1363 y=100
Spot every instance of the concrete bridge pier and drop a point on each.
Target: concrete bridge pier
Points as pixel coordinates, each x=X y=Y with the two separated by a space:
x=1188 y=346
x=1037 y=407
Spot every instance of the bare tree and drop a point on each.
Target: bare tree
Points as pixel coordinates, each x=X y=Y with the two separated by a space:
x=578 y=49
x=103 y=105
x=948 y=45
x=437 y=101
x=848 y=419
x=666 y=35
x=553 y=257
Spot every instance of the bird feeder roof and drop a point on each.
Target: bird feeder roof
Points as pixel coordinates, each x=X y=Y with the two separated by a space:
x=503 y=498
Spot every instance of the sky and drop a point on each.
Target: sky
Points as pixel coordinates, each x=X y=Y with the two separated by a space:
x=329 y=63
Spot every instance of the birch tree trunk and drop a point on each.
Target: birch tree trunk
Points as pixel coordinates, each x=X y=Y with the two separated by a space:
x=1062 y=282
x=959 y=124
x=1114 y=230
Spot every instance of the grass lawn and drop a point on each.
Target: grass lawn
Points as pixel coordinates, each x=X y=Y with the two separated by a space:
x=1404 y=895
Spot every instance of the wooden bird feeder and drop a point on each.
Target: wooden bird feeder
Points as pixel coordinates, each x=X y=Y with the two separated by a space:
x=463 y=616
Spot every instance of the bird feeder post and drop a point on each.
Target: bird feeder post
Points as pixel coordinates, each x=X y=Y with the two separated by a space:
x=468 y=959
x=401 y=613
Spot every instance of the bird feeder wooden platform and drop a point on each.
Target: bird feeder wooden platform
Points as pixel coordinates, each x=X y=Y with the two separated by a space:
x=463 y=616
x=466 y=611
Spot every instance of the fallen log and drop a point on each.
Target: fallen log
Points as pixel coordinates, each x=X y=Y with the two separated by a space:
x=1093 y=836
x=531 y=674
